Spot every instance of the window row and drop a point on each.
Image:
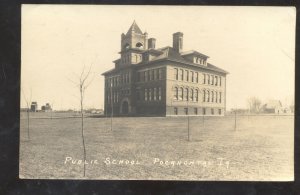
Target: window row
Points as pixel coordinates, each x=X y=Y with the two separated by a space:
x=195 y=111
x=192 y=76
x=186 y=94
x=149 y=94
x=181 y=93
x=112 y=97
x=117 y=80
x=150 y=75
x=186 y=75
x=212 y=80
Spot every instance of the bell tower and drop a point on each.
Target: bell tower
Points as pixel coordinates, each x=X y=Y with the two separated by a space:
x=133 y=43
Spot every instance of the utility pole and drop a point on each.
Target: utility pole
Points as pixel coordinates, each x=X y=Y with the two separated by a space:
x=112 y=107
x=188 y=118
x=235 y=120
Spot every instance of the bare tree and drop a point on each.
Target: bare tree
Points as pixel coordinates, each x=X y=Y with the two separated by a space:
x=28 y=102
x=254 y=104
x=82 y=83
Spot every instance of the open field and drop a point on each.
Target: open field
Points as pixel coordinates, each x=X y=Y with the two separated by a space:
x=261 y=148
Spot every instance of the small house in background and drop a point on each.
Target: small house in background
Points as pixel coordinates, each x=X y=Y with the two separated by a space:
x=272 y=107
x=46 y=108
x=34 y=107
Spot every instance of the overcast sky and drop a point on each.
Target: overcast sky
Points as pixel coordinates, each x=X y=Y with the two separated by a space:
x=255 y=44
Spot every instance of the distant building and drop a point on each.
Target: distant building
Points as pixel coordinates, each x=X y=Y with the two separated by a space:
x=46 y=108
x=34 y=107
x=162 y=81
x=272 y=106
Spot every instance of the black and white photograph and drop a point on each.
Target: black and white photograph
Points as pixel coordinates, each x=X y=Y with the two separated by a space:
x=140 y=92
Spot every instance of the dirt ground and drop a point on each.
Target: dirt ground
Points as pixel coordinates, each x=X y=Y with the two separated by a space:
x=260 y=148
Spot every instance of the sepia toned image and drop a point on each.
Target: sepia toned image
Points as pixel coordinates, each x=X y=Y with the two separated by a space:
x=157 y=92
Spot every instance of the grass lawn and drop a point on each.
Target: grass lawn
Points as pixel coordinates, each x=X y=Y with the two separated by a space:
x=261 y=148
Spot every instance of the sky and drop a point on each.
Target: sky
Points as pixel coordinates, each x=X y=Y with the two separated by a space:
x=256 y=45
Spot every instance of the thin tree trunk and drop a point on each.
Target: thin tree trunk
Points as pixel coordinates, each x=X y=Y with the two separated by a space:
x=82 y=134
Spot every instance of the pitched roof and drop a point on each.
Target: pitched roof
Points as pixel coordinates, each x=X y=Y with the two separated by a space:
x=134 y=28
x=190 y=52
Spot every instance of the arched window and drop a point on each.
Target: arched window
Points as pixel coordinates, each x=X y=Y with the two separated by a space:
x=192 y=75
x=216 y=80
x=204 y=95
x=212 y=96
x=208 y=96
x=176 y=93
x=192 y=95
x=216 y=97
x=181 y=93
x=154 y=94
x=186 y=94
x=204 y=78
x=196 y=95
x=139 y=45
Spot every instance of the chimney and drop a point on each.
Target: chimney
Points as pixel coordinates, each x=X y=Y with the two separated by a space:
x=151 y=43
x=178 y=41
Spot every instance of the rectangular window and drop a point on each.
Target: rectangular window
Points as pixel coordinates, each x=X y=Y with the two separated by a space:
x=204 y=111
x=195 y=111
x=220 y=81
x=212 y=80
x=146 y=76
x=186 y=111
x=160 y=73
x=175 y=111
x=196 y=77
x=181 y=74
x=155 y=74
x=146 y=95
x=208 y=79
x=216 y=83
x=220 y=111
x=150 y=94
x=204 y=78
x=204 y=96
x=150 y=75
x=159 y=93
x=138 y=94
x=220 y=98
x=212 y=111
x=216 y=97
x=176 y=73
x=154 y=94
x=192 y=75
x=186 y=75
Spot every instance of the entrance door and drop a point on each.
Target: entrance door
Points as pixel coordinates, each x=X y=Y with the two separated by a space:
x=125 y=107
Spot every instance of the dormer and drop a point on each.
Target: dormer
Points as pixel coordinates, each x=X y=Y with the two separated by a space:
x=195 y=57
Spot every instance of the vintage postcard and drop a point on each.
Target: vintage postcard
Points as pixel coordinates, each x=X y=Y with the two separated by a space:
x=157 y=92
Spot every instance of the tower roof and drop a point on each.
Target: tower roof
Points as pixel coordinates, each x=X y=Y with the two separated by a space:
x=134 y=28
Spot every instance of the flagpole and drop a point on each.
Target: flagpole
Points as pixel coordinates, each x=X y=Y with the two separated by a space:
x=112 y=107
